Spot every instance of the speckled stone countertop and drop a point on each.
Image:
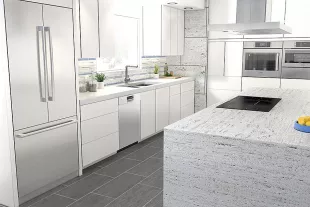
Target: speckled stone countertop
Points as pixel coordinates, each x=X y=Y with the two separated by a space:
x=276 y=126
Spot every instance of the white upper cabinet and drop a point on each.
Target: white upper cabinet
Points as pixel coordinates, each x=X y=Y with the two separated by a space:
x=63 y=3
x=225 y=59
x=89 y=28
x=163 y=31
x=216 y=58
x=127 y=8
x=182 y=4
x=297 y=16
x=233 y=59
x=222 y=12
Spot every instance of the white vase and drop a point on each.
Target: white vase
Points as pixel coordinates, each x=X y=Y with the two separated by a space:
x=100 y=85
x=156 y=76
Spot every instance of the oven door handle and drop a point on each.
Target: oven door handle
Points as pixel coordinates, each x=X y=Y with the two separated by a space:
x=278 y=62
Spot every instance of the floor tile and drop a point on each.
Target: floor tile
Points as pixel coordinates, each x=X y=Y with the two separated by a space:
x=143 y=153
x=148 y=167
x=158 y=201
x=138 y=196
x=44 y=195
x=158 y=143
x=119 y=185
x=155 y=180
x=118 y=167
x=159 y=155
x=93 y=200
x=85 y=186
x=53 y=201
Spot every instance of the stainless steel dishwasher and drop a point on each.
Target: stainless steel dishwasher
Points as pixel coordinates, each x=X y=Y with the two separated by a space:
x=129 y=120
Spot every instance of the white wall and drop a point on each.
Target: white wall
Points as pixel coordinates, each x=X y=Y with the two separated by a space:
x=8 y=187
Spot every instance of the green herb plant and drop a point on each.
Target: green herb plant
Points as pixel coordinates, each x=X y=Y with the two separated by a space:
x=156 y=69
x=100 y=77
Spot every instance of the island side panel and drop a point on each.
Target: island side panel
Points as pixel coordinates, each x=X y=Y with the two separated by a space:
x=210 y=171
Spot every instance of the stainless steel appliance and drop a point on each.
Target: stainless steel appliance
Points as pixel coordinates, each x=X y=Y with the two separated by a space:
x=42 y=76
x=262 y=59
x=129 y=120
x=296 y=61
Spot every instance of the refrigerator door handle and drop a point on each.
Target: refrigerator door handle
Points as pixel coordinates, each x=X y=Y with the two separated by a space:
x=40 y=59
x=50 y=63
x=31 y=133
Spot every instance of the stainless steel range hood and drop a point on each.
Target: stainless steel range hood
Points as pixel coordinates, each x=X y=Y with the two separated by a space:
x=254 y=17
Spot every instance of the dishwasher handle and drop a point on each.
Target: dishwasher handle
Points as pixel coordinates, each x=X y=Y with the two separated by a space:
x=130 y=98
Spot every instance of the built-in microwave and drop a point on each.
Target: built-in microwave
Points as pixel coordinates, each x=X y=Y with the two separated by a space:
x=262 y=59
x=296 y=61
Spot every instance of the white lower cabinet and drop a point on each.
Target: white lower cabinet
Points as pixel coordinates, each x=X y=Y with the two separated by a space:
x=162 y=108
x=215 y=96
x=248 y=83
x=295 y=84
x=175 y=108
x=224 y=83
x=148 y=114
x=100 y=149
x=187 y=110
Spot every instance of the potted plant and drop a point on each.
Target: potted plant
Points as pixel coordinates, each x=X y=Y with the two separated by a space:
x=156 y=72
x=100 y=77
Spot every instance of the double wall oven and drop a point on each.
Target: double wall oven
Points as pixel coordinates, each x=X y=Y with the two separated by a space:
x=262 y=59
x=296 y=61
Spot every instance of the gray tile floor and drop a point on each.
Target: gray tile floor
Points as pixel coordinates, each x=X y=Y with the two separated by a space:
x=131 y=178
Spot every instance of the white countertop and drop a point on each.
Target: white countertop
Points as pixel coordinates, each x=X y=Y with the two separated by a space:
x=115 y=91
x=277 y=126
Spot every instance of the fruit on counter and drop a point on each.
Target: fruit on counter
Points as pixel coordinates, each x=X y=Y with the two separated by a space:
x=304 y=120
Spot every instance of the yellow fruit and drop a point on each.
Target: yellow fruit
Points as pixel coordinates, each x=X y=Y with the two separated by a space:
x=302 y=121
x=308 y=124
x=307 y=118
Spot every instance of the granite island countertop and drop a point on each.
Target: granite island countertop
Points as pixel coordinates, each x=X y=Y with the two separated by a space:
x=276 y=126
x=115 y=91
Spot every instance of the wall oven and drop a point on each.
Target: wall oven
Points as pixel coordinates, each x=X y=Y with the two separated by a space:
x=262 y=59
x=296 y=61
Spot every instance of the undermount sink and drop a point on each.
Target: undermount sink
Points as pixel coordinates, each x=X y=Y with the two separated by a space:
x=138 y=85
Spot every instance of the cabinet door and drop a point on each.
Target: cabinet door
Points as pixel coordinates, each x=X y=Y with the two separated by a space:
x=63 y=3
x=61 y=68
x=162 y=108
x=181 y=32
x=152 y=30
x=233 y=59
x=28 y=103
x=224 y=83
x=166 y=31
x=187 y=110
x=248 y=83
x=295 y=84
x=148 y=114
x=106 y=29
x=175 y=108
x=222 y=12
x=89 y=28
x=174 y=31
x=216 y=58
x=218 y=96
x=297 y=14
x=128 y=9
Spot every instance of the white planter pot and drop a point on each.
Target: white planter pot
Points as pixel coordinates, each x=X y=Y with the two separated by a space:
x=100 y=85
x=156 y=76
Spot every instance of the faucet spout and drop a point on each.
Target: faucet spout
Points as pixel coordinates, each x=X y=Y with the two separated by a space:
x=127 y=78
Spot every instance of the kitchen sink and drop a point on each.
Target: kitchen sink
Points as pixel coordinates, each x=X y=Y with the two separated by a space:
x=138 y=85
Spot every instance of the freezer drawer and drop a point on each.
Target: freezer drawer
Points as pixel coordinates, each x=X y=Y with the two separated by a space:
x=45 y=155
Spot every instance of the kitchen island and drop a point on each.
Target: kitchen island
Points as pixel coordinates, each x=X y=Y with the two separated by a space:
x=233 y=158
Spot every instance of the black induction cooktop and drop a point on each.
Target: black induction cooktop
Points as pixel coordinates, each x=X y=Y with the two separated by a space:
x=250 y=103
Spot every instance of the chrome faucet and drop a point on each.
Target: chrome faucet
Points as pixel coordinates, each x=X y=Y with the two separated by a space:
x=127 y=79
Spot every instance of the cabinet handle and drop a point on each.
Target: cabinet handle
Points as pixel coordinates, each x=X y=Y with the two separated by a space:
x=42 y=90
x=51 y=85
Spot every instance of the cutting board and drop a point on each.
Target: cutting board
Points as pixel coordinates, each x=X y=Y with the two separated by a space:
x=170 y=77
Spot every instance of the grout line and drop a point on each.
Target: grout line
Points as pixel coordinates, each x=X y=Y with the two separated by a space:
x=131 y=159
x=153 y=198
x=136 y=174
x=96 y=173
x=64 y=196
x=102 y=195
x=150 y=186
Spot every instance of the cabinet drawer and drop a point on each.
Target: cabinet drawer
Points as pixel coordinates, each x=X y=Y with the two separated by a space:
x=174 y=90
x=187 y=98
x=187 y=110
x=295 y=84
x=99 y=109
x=224 y=83
x=99 y=149
x=99 y=127
x=187 y=86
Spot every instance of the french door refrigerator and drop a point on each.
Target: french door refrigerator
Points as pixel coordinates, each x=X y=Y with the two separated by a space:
x=42 y=73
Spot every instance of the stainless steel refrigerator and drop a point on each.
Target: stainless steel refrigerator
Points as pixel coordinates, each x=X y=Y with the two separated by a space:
x=42 y=73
